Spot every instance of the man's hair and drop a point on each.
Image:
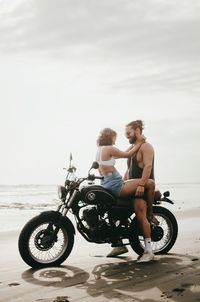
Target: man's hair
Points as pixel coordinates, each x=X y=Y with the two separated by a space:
x=136 y=124
x=105 y=137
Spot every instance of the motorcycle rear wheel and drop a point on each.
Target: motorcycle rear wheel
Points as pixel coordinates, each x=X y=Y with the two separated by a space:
x=36 y=247
x=163 y=236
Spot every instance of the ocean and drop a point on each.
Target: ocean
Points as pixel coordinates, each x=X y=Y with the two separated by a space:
x=21 y=202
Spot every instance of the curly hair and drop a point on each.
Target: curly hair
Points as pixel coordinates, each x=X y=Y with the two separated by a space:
x=136 y=124
x=105 y=137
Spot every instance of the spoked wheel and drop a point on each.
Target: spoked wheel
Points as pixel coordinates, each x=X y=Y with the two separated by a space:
x=163 y=236
x=37 y=245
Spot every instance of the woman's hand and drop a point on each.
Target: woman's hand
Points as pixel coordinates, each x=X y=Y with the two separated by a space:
x=142 y=139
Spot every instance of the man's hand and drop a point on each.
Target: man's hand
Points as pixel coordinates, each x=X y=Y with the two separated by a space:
x=139 y=191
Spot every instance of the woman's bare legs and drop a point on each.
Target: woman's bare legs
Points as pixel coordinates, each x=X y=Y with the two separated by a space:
x=139 y=204
x=140 y=209
x=130 y=187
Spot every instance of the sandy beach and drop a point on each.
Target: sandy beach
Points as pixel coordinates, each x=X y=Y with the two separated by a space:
x=88 y=275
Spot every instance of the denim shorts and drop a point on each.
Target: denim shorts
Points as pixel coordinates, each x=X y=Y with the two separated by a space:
x=113 y=182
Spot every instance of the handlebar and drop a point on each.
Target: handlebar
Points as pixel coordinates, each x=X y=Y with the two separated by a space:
x=93 y=177
x=99 y=177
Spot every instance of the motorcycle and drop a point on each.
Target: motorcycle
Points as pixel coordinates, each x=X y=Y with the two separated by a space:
x=48 y=239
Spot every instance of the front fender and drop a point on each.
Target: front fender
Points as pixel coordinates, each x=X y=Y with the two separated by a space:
x=57 y=216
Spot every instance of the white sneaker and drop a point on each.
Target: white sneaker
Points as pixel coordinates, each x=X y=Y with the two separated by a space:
x=146 y=257
x=118 y=250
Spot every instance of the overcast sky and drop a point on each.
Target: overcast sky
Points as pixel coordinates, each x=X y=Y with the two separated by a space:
x=70 y=68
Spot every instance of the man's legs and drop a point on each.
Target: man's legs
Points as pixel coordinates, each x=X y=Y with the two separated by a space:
x=140 y=209
x=150 y=194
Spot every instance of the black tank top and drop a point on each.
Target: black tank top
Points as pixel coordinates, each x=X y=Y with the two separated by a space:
x=135 y=171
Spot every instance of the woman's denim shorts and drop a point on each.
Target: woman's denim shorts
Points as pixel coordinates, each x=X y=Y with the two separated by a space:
x=113 y=182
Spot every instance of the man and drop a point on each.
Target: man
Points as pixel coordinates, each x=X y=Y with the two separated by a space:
x=140 y=166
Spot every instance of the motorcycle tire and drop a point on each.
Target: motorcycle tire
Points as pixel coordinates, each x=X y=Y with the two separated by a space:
x=35 y=247
x=163 y=236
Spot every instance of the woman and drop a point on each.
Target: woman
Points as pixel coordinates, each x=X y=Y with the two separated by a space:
x=106 y=155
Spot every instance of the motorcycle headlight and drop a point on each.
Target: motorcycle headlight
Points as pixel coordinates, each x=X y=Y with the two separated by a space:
x=62 y=192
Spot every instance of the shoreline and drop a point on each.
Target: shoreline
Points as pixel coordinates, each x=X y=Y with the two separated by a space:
x=22 y=216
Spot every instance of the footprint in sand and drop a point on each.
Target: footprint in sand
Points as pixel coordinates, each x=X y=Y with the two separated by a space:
x=14 y=284
x=179 y=291
x=166 y=295
x=61 y=299
x=57 y=299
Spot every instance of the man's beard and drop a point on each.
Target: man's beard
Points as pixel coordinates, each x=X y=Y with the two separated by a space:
x=133 y=139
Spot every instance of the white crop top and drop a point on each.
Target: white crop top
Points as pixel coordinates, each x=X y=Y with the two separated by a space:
x=109 y=162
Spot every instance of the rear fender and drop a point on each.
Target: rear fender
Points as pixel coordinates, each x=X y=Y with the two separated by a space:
x=57 y=216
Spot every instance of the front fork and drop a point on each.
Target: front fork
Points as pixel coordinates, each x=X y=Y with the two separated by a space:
x=64 y=213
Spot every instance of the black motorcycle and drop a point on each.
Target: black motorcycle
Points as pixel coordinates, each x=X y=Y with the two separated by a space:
x=48 y=239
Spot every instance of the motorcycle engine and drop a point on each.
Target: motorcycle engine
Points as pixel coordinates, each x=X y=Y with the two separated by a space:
x=90 y=215
x=97 y=228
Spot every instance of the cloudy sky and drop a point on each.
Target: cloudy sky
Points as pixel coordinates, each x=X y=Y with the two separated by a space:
x=68 y=68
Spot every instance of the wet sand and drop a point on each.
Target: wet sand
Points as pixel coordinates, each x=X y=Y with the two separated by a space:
x=88 y=275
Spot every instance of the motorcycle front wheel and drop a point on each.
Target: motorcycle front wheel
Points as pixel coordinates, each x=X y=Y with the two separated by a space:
x=163 y=236
x=36 y=246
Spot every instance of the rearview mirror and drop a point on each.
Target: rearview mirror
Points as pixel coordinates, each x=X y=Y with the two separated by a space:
x=166 y=194
x=95 y=165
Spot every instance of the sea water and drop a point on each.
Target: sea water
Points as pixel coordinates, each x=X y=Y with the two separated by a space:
x=21 y=202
